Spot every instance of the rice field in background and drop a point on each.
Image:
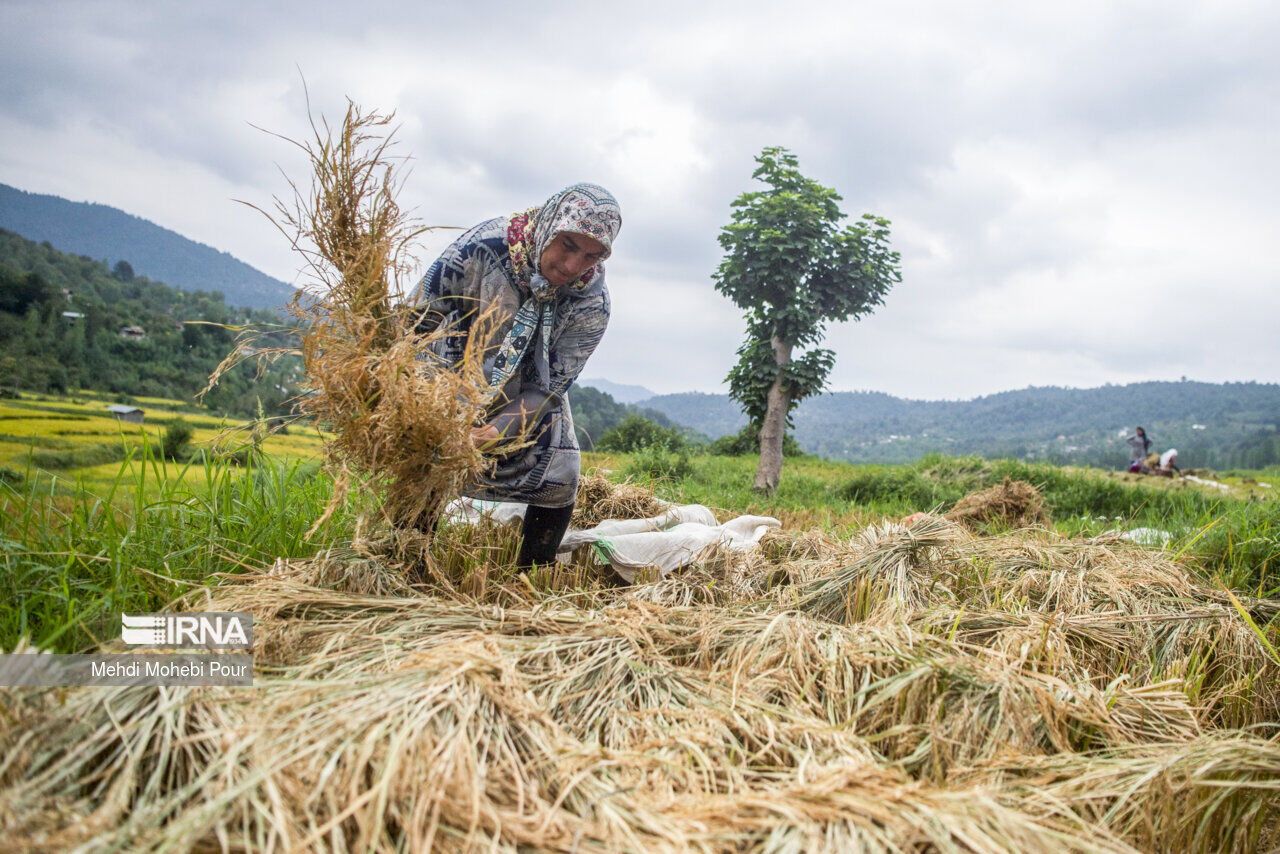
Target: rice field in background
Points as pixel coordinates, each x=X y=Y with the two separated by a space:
x=75 y=440
x=859 y=684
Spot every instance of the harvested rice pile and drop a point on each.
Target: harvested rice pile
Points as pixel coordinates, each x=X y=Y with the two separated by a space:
x=600 y=499
x=1014 y=503
x=912 y=688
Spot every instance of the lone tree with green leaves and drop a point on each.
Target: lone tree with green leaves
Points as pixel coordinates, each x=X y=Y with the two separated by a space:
x=793 y=269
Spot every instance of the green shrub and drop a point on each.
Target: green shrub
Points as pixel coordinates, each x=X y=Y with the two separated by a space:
x=900 y=485
x=658 y=462
x=637 y=432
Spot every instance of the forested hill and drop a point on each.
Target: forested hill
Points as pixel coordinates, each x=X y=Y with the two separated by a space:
x=1220 y=425
x=104 y=232
x=68 y=322
x=595 y=412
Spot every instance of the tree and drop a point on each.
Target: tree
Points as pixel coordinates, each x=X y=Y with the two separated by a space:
x=20 y=291
x=176 y=443
x=791 y=267
x=123 y=271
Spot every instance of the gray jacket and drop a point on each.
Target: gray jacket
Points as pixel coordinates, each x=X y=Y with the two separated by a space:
x=474 y=274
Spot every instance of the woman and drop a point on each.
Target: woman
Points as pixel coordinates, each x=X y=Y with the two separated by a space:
x=1139 y=444
x=541 y=270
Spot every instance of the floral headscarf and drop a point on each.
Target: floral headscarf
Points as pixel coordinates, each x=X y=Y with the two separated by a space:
x=586 y=209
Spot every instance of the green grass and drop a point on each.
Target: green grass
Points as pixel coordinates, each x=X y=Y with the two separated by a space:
x=72 y=560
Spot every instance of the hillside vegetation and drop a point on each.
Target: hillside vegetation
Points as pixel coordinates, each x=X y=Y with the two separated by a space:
x=106 y=233
x=63 y=321
x=595 y=413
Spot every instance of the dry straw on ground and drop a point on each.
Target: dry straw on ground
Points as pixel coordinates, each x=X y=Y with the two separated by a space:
x=911 y=688
x=1012 y=503
x=600 y=499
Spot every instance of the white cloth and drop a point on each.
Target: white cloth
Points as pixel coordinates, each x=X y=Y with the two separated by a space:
x=675 y=538
x=472 y=510
x=1204 y=482
x=1168 y=457
x=1148 y=536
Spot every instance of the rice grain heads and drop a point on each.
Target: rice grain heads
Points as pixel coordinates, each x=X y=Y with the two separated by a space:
x=400 y=419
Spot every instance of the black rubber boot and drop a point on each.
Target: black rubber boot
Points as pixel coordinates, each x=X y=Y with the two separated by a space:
x=543 y=530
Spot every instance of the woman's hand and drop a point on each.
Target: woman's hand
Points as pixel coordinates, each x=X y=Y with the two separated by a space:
x=484 y=436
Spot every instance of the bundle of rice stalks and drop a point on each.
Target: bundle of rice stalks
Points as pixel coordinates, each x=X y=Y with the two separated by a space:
x=781 y=546
x=893 y=568
x=1050 y=573
x=1013 y=503
x=360 y=570
x=926 y=703
x=1215 y=793
x=722 y=579
x=401 y=421
x=1125 y=609
x=600 y=499
x=869 y=809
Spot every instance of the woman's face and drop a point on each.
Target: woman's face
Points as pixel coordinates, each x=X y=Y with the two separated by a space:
x=568 y=256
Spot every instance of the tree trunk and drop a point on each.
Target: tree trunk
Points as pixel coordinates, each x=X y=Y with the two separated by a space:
x=775 y=425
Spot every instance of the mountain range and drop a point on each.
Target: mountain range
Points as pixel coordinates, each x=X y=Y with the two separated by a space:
x=620 y=392
x=1211 y=424
x=106 y=233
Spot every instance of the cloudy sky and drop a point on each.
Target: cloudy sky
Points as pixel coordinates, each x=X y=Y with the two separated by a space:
x=1082 y=193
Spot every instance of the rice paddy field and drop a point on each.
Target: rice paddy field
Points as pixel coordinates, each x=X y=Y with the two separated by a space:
x=76 y=441
x=865 y=681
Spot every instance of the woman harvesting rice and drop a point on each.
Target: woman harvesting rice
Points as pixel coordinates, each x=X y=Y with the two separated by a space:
x=1139 y=444
x=541 y=272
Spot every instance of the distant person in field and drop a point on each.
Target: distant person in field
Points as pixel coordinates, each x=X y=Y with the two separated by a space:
x=542 y=271
x=1169 y=463
x=1139 y=445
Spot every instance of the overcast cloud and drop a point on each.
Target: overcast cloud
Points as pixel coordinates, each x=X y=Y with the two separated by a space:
x=1081 y=194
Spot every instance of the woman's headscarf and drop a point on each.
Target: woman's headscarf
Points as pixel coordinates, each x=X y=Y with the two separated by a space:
x=586 y=209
